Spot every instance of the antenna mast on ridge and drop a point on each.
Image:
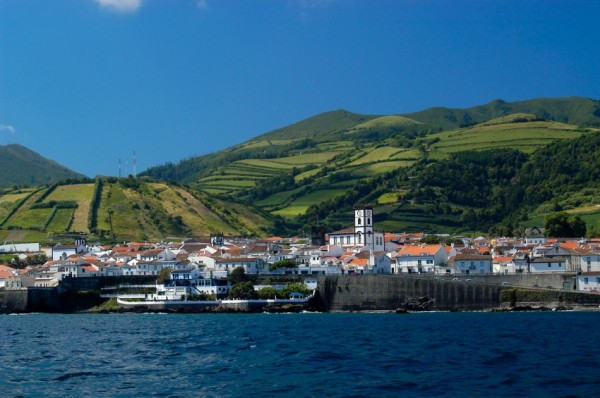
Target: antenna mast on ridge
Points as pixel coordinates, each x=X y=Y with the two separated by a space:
x=134 y=165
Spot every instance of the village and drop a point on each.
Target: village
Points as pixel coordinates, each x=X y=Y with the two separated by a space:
x=357 y=250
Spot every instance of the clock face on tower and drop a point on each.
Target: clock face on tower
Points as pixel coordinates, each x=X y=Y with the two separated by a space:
x=359 y=213
x=368 y=213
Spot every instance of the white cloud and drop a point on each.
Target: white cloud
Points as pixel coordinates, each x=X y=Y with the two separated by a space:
x=202 y=4
x=7 y=127
x=123 y=6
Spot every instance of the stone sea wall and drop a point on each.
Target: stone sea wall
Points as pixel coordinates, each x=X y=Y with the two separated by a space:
x=13 y=301
x=362 y=293
x=412 y=293
x=391 y=292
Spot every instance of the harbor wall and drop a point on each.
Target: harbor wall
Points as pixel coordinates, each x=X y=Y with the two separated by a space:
x=405 y=292
x=13 y=301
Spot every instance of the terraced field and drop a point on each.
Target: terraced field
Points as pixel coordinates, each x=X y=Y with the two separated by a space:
x=299 y=205
x=82 y=194
x=526 y=136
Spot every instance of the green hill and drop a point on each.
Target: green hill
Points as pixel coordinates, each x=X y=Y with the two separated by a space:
x=22 y=166
x=122 y=209
x=319 y=168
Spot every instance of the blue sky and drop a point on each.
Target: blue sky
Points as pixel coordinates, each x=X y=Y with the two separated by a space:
x=87 y=82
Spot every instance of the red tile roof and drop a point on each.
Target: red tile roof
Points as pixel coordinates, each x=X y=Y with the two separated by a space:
x=419 y=250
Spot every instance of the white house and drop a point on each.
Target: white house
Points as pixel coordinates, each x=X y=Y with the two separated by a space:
x=191 y=281
x=547 y=264
x=472 y=264
x=534 y=236
x=503 y=265
x=589 y=282
x=250 y=265
x=589 y=261
x=64 y=251
x=419 y=259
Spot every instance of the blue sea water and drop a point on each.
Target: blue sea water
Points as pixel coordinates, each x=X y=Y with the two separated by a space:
x=302 y=355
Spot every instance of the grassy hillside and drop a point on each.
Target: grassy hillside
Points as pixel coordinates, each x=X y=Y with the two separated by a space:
x=122 y=209
x=21 y=166
x=321 y=167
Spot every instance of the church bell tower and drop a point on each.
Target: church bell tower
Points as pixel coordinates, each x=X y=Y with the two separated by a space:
x=363 y=227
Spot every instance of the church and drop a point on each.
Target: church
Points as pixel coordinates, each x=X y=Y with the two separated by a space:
x=362 y=235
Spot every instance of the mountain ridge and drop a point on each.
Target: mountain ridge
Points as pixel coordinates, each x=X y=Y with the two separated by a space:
x=22 y=166
x=319 y=167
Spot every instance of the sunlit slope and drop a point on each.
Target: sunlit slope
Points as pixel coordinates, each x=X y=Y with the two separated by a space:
x=522 y=132
x=526 y=136
x=328 y=163
x=126 y=209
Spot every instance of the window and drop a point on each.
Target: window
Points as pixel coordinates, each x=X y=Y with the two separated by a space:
x=358 y=221
x=347 y=240
x=585 y=280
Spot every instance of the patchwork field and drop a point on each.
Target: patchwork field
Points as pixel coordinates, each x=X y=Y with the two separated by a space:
x=526 y=136
x=82 y=194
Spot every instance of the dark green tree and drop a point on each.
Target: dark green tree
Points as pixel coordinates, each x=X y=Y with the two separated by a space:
x=563 y=225
x=267 y=293
x=242 y=291
x=285 y=263
x=238 y=275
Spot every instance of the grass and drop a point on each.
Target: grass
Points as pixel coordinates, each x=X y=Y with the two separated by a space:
x=12 y=197
x=277 y=199
x=407 y=154
x=307 y=158
x=526 y=136
x=30 y=218
x=382 y=167
x=385 y=121
x=318 y=196
x=376 y=155
x=267 y=164
x=301 y=204
x=306 y=174
x=388 y=198
x=82 y=193
x=265 y=143
x=291 y=211
x=60 y=221
x=337 y=146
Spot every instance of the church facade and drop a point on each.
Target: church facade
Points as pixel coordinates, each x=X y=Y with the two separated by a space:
x=362 y=235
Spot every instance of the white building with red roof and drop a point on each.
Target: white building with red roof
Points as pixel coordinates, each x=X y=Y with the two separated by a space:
x=419 y=259
x=362 y=235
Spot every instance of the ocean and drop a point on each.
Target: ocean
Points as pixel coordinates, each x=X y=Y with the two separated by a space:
x=534 y=354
